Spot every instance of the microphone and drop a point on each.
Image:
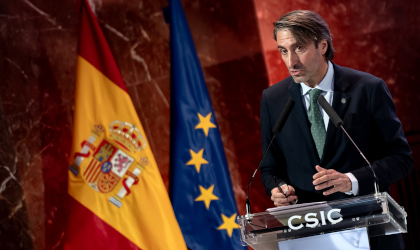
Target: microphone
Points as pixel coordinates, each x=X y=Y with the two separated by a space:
x=276 y=129
x=283 y=116
x=338 y=123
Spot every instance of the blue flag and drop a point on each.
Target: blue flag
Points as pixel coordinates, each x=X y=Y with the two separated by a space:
x=200 y=188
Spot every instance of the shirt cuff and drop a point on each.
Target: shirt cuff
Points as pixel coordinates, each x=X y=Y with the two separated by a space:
x=354 y=185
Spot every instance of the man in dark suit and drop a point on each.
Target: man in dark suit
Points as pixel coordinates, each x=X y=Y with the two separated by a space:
x=313 y=159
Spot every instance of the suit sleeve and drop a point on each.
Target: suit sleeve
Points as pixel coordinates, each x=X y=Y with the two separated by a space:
x=270 y=164
x=398 y=161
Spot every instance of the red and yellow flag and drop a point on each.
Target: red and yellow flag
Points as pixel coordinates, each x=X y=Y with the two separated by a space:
x=118 y=199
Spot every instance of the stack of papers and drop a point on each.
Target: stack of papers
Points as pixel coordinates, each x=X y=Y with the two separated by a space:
x=299 y=207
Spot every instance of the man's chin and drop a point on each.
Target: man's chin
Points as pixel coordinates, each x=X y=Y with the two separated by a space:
x=299 y=79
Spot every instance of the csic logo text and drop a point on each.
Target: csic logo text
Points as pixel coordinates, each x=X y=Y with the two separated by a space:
x=311 y=217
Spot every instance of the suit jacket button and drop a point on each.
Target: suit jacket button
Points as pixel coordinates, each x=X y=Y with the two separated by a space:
x=343 y=100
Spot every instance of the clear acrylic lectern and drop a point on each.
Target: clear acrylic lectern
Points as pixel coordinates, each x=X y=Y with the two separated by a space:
x=379 y=213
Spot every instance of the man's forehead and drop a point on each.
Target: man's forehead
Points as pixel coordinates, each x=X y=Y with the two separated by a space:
x=285 y=39
x=284 y=34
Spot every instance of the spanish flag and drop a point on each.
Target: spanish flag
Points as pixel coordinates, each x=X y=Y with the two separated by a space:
x=118 y=199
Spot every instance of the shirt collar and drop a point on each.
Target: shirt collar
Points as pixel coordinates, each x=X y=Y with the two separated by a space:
x=327 y=84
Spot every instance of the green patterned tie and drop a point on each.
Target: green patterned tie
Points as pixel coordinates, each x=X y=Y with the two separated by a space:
x=317 y=121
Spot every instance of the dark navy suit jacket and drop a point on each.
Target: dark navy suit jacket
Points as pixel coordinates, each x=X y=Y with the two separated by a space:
x=365 y=105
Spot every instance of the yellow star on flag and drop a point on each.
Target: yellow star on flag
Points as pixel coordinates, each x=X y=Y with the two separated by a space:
x=197 y=159
x=229 y=224
x=206 y=195
x=205 y=123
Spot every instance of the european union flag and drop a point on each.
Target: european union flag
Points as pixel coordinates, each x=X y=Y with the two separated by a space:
x=201 y=188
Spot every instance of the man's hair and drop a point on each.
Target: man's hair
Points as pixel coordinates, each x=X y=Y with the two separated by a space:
x=306 y=26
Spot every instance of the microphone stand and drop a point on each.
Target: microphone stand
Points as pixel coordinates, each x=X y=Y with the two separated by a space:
x=374 y=175
x=277 y=128
x=338 y=122
x=248 y=204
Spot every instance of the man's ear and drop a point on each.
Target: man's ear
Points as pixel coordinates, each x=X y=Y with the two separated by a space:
x=323 y=46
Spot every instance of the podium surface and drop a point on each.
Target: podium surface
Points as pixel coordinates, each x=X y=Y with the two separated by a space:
x=379 y=213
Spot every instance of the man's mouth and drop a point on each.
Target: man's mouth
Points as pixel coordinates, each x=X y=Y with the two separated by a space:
x=295 y=72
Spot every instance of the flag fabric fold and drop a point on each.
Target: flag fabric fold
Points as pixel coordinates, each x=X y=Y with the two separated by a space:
x=118 y=199
x=200 y=185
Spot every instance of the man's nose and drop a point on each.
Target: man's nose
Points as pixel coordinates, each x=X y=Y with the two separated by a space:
x=293 y=60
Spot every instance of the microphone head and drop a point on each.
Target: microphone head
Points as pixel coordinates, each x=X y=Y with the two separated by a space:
x=283 y=116
x=330 y=111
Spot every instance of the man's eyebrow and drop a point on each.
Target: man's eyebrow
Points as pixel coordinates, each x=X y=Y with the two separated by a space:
x=281 y=47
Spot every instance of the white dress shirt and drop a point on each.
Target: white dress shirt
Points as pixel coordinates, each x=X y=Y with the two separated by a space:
x=327 y=87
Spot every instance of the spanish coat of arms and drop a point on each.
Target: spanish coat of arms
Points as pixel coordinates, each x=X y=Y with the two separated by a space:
x=111 y=160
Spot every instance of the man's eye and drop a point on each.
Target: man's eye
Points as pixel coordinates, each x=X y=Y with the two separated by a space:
x=298 y=48
x=283 y=51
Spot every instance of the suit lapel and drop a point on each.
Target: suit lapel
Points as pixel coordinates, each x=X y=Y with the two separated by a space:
x=300 y=115
x=341 y=101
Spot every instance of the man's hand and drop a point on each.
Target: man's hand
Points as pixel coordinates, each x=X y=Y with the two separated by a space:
x=281 y=200
x=329 y=177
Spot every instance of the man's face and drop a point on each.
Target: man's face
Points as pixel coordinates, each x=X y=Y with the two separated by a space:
x=304 y=62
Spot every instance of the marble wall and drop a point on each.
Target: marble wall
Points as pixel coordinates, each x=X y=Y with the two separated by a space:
x=13 y=211
x=38 y=50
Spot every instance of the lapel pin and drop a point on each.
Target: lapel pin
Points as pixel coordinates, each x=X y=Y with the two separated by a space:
x=343 y=100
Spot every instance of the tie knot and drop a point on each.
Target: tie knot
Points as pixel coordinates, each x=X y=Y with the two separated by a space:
x=313 y=94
